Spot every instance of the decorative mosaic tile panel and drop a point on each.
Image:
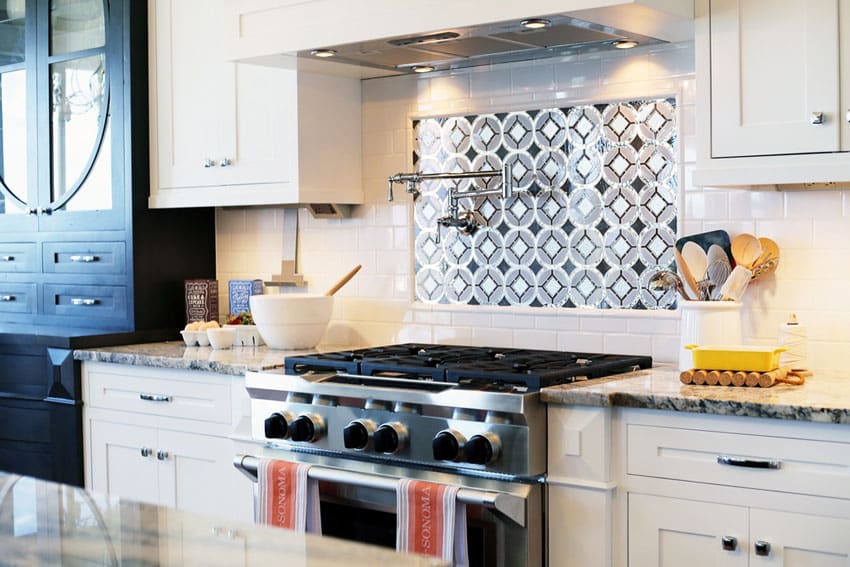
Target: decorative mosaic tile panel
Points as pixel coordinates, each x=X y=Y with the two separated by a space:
x=592 y=218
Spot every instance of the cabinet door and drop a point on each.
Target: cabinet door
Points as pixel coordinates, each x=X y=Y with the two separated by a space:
x=123 y=460
x=774 y=64
x=798 y=540
x=196 y=474
x=218 y=123
x=670 y=531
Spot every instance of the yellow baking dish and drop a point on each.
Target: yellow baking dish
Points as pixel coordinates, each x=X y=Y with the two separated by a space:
x=736 y=357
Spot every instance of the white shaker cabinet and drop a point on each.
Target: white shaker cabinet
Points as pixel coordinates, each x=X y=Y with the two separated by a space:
x=163 y=436
x=224 y=133
x=772 y=92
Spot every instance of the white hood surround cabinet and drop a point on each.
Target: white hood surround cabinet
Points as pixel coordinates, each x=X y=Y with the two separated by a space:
x=810 y=227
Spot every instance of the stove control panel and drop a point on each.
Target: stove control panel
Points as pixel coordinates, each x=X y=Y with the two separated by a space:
x=391 y=438
x=358 y=434
x=308 y=427
x=277 y=425
x=483 y=449
x=448 y=445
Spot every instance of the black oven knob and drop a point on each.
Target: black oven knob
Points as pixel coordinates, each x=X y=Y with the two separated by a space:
x=358 y=434
x=447 y=445
x=307 y=427
x=483 y=449
x=277 y=425
x=390 y=437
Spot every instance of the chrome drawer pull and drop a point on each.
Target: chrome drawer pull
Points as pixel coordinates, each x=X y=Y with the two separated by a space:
x=816 y=118
x=7 y=258
x=86 y=259
x=154 y=398
x=762 y=548
x=7 y=298
x=748 y=463
x=146 y=451
x=162 y=455
x=84 y=301
x=729 y=543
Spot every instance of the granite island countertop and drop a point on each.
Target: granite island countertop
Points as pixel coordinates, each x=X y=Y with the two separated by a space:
x=175 y=354
x=824 y=398
x=42 y=523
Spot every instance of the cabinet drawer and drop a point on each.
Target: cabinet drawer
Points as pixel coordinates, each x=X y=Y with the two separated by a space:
x=102 y=301
x=804 y=466
x=84 y=257
x=202 y=401
x=18 y=298
x=18 y=257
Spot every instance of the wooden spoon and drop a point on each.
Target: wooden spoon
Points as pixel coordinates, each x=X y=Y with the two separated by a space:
x=697 y=261
x=686 y=273
x=344 y=280
x=746 y=250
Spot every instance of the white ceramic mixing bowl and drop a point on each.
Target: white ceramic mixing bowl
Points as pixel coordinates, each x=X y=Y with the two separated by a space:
x=291 y=320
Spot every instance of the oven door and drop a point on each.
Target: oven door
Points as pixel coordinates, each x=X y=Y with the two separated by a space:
x=358 y=503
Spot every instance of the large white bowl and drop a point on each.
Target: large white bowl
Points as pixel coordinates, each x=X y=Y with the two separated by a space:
x=291 y=320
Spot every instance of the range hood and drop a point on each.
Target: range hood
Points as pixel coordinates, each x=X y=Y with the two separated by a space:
x=471 y=46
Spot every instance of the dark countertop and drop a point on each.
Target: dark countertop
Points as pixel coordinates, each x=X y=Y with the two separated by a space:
x=824 y=397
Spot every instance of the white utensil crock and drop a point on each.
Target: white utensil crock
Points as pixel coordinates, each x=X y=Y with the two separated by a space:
x=708 y=323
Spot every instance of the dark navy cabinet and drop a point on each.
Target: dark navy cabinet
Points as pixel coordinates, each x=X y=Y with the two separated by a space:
x=83 y=261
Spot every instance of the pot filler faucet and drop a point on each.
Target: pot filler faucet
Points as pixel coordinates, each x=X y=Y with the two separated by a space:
x=466 y=221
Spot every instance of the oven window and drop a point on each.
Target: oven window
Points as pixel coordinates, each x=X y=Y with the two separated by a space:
x=376 y=527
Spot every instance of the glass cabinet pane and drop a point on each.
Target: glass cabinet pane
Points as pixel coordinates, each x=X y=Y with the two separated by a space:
x=12 y=31
x=76 y=25
x=77 y=120
x=13 y=139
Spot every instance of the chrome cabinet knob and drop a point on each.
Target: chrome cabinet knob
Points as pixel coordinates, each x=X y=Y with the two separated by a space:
x=7 y=298
x=162 y=455
x=729 y=543
x=45 y=211
x=816 y=118
x=146 y=451
x=762 y=548
x=32 y=211
x=847 y=116
x=224 y=162
x=208 y=163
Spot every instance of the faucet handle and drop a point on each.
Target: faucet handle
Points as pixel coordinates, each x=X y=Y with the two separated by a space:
x=507 y=182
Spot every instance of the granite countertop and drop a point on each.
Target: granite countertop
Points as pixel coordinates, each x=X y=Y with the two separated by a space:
x=42 y=523
x=173 y=354
x=824 y=397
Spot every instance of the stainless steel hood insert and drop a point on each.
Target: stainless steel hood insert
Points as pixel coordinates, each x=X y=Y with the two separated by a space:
x=481 y=45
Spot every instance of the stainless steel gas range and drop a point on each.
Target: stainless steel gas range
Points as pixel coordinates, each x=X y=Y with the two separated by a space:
x=467 y=416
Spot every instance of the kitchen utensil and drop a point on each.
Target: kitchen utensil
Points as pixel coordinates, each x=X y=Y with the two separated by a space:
x=736 y=284
x=782 y=375
x=343 y=280
x=719 y=269
x=686 y=273
x=736 y=357
x=665 y=279
x=707 y=239
x=746 y=250
x=697 y=261
x=769 y=259
x=292 y=320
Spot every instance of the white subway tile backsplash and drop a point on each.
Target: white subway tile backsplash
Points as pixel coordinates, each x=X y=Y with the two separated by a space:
x=375 y=307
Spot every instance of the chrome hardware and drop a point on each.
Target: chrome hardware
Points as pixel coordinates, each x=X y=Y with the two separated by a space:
x=7 y=258
x=32 y=211
x=762 y=548
x=816 y=118
x=224 y=162
x=729 y=543
x=208 y=163
x=847 y=116
x=86 y=259
x=45 y=211
x=162 y=455
x=146 y=451
x=749 y=463
x=84 y=301
x=7 y=298
x=154 y=398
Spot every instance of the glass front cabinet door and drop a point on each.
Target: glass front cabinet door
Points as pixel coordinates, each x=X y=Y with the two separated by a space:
x=61 y=142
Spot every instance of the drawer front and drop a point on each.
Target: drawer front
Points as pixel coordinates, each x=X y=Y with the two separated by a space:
x=101 y=301
x=169 y=398
x=18 y=257
x=784 y=464
x=84 y=257
x=18 y=298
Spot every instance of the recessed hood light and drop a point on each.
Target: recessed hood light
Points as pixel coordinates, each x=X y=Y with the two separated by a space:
x=535 y=23
x=323 y=53
x=422 y=68
x=625 y=44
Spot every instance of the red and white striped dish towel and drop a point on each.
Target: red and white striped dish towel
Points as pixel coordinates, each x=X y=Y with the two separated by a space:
x=287 y=497
x=431 y=521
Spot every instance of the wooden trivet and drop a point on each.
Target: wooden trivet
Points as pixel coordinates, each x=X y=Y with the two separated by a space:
x=783 y=375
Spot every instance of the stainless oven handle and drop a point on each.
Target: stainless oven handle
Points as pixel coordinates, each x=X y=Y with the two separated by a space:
x=509 y=505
